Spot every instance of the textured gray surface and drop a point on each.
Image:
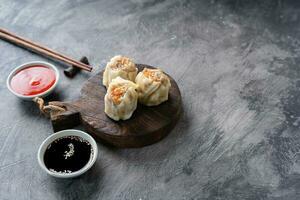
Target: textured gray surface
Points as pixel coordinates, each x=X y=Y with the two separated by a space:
x=236 y=63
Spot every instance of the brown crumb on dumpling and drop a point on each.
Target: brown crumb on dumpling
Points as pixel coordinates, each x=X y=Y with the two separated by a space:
x=153 y=74
x=117 y=93
x=122 y=62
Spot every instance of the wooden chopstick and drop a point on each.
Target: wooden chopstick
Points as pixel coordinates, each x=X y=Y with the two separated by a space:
x=4 y=34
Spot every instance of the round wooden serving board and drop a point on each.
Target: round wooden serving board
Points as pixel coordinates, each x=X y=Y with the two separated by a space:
x=146 y=126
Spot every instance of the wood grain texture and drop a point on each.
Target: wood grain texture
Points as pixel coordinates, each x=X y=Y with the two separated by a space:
x=237 y=66
x=146 y=126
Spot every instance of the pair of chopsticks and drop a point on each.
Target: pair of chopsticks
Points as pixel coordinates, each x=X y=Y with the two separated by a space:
x=20 y=41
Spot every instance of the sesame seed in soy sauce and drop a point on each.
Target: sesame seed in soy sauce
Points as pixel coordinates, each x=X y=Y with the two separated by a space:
x=68 y=154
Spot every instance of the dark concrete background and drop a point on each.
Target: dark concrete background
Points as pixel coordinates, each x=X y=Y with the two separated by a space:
x=236 y=63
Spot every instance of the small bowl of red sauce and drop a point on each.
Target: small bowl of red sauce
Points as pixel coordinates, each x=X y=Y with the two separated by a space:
x=33 y=79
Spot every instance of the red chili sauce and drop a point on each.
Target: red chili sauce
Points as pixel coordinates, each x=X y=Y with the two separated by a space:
x=33 y=80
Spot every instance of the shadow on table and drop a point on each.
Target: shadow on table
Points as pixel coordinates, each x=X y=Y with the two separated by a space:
x=156 y=152
x=82 y=187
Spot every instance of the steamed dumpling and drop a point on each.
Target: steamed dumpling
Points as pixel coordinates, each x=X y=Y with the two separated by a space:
x=121 y=99
x=119 y=66
x=153 y=85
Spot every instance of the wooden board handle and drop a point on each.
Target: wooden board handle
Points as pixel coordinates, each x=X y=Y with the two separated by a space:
x=64 y=119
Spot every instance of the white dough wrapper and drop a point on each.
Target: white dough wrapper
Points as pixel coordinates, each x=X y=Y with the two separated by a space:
x=119 y=66
x=120 y=99
x=154 y=86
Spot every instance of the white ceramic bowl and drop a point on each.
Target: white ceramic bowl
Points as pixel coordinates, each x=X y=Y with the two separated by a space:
x=69 y=132
x=30 y=97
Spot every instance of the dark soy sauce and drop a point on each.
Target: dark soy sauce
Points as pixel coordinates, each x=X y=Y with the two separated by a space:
x=67 y=154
